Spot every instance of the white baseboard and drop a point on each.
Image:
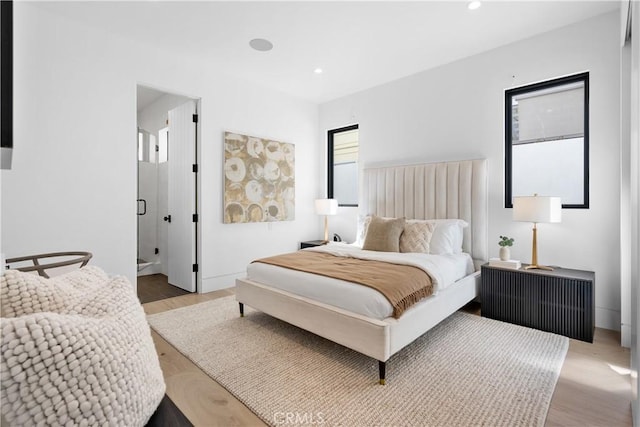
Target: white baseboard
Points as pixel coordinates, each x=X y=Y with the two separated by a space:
x=210 y=284
x=625 y=336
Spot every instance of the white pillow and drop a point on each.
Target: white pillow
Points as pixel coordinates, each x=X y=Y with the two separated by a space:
x=447 y=236
x=363 y=224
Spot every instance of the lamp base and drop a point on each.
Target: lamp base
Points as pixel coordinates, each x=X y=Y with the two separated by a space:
x=538 y=267
x=534 y=253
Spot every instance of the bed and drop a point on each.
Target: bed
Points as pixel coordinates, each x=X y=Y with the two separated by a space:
x=452 y=190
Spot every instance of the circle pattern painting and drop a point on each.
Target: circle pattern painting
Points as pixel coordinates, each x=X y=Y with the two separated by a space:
x=259 y=179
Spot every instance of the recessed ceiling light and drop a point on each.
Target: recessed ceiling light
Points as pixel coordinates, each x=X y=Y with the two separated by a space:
x=318 y=71
x=474 y=5
x=262 y=45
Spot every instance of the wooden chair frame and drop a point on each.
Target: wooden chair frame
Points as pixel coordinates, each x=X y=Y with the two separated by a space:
x=82 y=259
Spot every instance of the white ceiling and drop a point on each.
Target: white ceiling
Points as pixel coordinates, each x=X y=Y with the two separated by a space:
x=358 y=44
x=146 y=96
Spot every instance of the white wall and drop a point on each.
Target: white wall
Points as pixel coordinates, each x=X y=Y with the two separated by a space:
x=456 y=112
x=630 y=194
x=73 y=182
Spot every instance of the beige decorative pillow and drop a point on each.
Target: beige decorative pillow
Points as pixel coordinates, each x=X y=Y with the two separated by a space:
x=383 y=235
x=416 y=236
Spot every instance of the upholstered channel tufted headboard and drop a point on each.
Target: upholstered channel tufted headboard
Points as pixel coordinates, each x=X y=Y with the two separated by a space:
x=433 y=191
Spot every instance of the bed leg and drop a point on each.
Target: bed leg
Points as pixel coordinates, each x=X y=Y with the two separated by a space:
x=241 y=305
x=382 y=366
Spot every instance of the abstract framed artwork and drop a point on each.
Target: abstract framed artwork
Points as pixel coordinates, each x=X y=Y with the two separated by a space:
x=259 y=179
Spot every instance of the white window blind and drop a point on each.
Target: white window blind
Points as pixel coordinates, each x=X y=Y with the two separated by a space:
x=345 y=147
x=549 y=115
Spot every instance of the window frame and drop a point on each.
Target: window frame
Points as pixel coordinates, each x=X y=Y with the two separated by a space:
x=330 y=160
x=509 y=94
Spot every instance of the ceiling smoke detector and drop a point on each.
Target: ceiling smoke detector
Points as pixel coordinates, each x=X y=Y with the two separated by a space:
x=261 y=45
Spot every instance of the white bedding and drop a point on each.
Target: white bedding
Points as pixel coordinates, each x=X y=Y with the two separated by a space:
x=443 y=269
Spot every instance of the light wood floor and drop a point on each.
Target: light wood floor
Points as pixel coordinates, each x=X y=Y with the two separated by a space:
x=593 y=388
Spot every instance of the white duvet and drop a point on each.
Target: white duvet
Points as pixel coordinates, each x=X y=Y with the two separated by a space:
x=443 y=269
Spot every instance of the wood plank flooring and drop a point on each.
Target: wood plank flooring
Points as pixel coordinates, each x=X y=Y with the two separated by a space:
x=154 y=287
x=201 y=399
x=593 y=388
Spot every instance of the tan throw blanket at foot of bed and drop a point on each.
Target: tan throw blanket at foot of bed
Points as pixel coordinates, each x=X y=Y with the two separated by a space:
x=402 y=285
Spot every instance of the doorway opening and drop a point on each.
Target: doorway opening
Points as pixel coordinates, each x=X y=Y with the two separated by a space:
x=167 y=193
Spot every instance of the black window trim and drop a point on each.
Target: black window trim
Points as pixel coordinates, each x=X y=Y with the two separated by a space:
x=509 y=94
x=330 y=135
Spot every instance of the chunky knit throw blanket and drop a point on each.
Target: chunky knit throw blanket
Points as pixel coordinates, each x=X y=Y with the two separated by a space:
x=76 y=350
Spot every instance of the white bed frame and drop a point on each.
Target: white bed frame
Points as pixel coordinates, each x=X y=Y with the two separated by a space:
x=425 y=191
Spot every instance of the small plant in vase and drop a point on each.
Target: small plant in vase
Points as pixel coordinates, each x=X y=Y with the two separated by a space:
x=505 y=244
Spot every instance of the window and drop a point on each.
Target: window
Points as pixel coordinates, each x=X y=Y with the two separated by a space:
x=343 y=165
x=163 y=145
x=547 y=141
x=148 y=150
x=146 y=147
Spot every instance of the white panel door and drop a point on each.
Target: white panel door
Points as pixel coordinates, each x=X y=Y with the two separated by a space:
x=182 y=200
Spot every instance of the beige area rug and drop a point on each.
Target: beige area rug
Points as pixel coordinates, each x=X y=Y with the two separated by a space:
x=468 y=370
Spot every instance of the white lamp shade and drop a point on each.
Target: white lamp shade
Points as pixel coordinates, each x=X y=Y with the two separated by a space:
x=537 y=209
x=326 y=206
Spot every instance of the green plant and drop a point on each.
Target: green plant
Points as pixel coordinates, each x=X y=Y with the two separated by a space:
x=505 y=241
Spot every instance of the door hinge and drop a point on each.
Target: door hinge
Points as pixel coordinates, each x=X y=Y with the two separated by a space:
x=157 y=251
x=195 y=168
x=195 y=118
x=195 y=268
x=195 y=217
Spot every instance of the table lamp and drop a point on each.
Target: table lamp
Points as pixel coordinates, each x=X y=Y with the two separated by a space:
x=537 y=209
x=326 y=207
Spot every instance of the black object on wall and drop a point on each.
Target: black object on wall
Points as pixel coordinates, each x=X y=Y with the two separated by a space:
x=6 y=83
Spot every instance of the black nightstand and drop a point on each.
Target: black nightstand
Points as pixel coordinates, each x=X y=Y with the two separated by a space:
x=312 y=243
x=559 y=301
